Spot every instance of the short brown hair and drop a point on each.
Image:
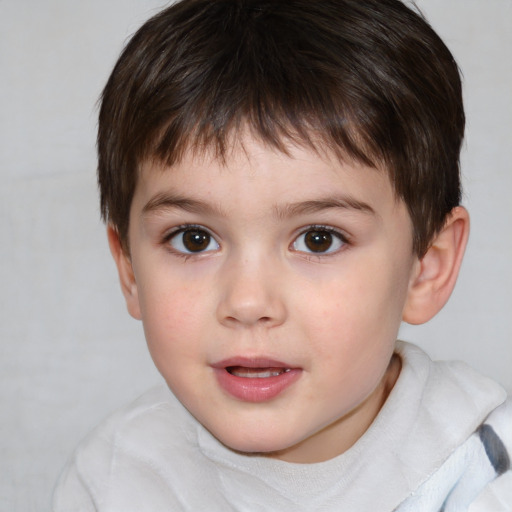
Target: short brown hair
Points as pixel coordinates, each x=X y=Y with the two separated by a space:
x=369 y=79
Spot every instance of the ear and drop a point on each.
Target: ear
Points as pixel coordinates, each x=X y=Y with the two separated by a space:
x=435 y=274
x=125 y=270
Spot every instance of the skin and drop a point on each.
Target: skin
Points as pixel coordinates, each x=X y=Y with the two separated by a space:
x=257 y=289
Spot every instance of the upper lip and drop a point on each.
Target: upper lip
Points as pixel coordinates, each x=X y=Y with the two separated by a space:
x=251 y=362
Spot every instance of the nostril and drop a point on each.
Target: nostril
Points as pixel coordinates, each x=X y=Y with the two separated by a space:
x=263 y=319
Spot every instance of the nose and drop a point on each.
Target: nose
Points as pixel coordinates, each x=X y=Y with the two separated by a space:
x=251 y=294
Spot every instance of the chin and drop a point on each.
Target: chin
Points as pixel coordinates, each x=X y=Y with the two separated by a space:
x=252 y=446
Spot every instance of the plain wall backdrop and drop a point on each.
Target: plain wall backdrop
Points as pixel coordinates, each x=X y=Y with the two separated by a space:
x=70 y=353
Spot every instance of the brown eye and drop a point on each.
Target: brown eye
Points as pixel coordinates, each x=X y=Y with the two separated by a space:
x=193 y=240
x=319 y=241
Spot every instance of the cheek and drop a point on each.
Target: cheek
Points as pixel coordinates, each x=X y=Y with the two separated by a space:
x=171 y=316
x=358 y=310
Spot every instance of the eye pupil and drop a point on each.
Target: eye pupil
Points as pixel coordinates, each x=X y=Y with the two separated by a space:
x=318 y=241
x=196 y=240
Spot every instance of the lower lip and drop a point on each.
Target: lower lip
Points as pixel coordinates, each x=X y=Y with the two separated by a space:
x=250 y=389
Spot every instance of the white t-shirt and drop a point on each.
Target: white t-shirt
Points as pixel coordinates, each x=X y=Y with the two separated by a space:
x=425 y=449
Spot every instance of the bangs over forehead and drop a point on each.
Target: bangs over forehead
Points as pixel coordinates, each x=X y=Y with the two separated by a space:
x=268 y=66
x=360 y=78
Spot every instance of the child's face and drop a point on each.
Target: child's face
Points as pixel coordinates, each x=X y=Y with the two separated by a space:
x=271 y=290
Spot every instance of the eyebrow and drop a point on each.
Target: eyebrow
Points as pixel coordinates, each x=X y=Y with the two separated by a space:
x=166 y=201
x=313 y=206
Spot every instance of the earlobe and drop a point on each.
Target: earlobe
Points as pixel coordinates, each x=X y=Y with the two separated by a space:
x=435 y=274
x=125 y=271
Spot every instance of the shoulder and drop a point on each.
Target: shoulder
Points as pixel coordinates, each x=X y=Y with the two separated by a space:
x=459 y=428
x=496 y=437
x=501 y=421
x=86 y=479
x=448 y=396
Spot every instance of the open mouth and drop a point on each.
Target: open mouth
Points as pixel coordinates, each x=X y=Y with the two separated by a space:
x=255 y=379
x=255 y=373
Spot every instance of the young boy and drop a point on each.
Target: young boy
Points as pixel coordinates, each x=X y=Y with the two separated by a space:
x=281 y=184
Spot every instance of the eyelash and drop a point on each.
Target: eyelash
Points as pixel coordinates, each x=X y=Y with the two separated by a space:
x=168 y=237
x=337 y=235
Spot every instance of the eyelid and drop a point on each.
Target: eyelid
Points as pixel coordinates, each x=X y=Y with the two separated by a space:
x=183 y=227
x=169 y=235
x=337 y=233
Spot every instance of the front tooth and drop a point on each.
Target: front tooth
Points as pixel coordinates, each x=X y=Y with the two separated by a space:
x=257 y=373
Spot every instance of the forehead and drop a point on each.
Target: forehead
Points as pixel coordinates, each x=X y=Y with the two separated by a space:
x=254 y=180
x=247 y=159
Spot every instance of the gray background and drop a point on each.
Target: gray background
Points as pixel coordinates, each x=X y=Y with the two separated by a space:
x=69 y=351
